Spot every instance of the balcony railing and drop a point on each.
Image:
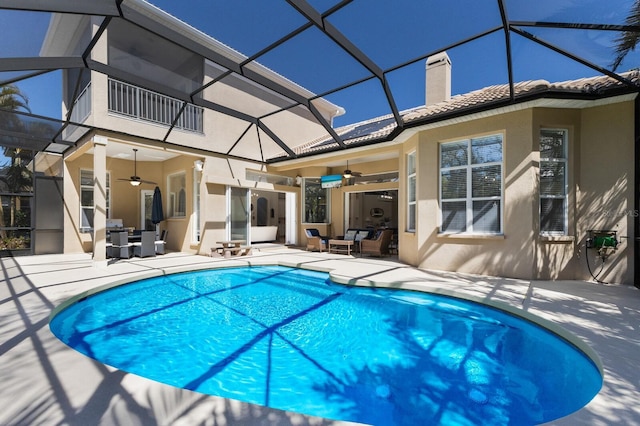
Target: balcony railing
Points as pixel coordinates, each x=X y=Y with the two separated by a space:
x=82 y=105
x=139 y=103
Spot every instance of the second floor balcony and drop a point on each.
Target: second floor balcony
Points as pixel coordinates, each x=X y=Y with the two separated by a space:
x=138 y=103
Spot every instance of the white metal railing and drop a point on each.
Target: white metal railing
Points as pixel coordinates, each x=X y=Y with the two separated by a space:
x=82 y=105
x=136 y=102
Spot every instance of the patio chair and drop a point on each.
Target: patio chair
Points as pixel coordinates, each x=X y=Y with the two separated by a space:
x=315 y=241
x=146 y=247
x=121 y=248
x=378 y=246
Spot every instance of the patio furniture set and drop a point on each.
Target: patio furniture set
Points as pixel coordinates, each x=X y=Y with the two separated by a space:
x=362 y=241
x=142 y=244
x=230 y=248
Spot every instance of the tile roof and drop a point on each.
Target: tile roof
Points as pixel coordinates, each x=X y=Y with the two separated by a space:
x=380 y=127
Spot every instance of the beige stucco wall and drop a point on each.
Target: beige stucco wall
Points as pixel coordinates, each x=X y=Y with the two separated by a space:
x=558 y=257
x=605 y=186
x=600 y=194
x=180 y=235
x=218 y=174
x=508 y=255
x=214 y=212
x=124 y=199
x=407 y=241
x=600 y=166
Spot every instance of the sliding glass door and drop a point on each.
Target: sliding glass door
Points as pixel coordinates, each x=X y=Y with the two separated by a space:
x=238 y=219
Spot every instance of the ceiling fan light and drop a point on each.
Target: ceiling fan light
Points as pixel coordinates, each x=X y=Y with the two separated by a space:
x=135 y=182
x=347 y=174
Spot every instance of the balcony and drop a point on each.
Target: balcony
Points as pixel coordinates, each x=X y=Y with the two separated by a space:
x=135 y=102
x=82 y=105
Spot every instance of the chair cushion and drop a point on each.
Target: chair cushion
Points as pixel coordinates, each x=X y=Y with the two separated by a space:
x=313 y=232
x=351 y=234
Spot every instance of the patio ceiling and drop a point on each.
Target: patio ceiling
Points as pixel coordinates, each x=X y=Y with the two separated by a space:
x=278 y=76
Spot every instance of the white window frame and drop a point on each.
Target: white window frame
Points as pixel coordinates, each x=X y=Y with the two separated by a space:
x=469 y=199
x=173 y=199
x=90 y=188
x=411 y=194
x=565 y=196
x=327 y=218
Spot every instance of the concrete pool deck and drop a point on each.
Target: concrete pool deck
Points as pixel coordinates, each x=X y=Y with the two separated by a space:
x=46 y=383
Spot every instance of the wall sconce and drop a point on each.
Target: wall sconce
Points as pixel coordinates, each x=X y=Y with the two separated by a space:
x=198 y=165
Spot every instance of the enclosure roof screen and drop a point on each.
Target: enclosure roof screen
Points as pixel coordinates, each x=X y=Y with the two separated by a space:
x=276 y=80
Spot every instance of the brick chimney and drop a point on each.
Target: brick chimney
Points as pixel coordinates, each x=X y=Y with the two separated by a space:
x=438 y=87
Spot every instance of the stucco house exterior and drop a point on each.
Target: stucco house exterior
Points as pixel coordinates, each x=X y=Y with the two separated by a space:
x=476 y=183
x=560 y=165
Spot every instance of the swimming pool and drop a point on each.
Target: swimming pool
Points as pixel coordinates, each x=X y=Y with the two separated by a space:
x=290 y=339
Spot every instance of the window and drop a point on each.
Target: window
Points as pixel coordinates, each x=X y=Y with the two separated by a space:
x=411 y=191
x=471 y=185
x=86 y=199
x=316 y=198
x=177 y=195
x=553 y=181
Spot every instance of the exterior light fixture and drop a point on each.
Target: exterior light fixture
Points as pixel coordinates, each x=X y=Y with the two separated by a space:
x=347 y=173
x=198 y=164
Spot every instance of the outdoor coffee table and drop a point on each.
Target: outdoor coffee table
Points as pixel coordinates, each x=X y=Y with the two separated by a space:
x=341 y=246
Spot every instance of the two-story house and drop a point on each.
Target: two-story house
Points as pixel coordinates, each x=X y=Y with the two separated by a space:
x=534 y=181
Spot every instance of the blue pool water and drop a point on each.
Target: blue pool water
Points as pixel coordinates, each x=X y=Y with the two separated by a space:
x=291 y=339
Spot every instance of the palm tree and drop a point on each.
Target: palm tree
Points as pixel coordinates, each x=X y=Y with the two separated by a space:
x=11 y=100
x=627 y=40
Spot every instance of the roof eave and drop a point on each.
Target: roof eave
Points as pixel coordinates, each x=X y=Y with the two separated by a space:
x=523 y=101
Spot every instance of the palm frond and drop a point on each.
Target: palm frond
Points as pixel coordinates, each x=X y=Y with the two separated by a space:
x=628 y=40
x=12 y=99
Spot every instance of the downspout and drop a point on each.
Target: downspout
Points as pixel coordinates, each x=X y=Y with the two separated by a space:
x=636 y=193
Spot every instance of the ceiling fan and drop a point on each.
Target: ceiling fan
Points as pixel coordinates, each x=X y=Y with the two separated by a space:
x=135 y=179
x=348 y=173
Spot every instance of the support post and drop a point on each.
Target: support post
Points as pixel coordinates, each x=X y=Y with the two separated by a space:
x=99 y=199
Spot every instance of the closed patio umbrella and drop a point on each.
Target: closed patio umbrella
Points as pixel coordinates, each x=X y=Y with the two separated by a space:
x=157 y=215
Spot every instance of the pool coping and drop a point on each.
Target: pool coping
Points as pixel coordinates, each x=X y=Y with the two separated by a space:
x=524 y=298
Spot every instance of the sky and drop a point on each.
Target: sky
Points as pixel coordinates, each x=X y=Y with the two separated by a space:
x=390 y=33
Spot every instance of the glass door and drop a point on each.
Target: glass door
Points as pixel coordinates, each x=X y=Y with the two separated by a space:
x=145 y=212
x=238 y=213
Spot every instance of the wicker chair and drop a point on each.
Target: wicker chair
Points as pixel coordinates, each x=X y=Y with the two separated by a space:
x=315 y=241
x=379 y=246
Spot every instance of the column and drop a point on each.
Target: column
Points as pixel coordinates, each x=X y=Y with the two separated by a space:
x=99 y=198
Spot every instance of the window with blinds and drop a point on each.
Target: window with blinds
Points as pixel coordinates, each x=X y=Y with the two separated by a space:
x=411 y=192
x=553 y=181
x=86 y=199
x=471 y=185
